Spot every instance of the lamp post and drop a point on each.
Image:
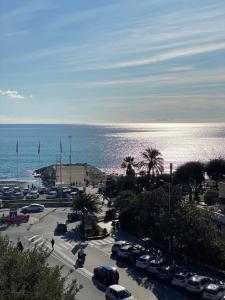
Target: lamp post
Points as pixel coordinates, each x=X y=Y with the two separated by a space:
x=169 y=204
x=70 y=157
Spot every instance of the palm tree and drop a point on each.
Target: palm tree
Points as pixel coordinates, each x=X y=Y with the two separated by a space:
x=87 y=203
x=153 y=161
x=129 y=164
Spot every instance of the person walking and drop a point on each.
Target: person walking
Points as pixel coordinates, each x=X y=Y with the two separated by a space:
x=53 y=243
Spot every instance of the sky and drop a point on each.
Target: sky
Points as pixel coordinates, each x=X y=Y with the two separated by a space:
x=112 y=61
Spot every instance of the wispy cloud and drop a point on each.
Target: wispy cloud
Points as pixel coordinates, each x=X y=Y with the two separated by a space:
x=11 y=94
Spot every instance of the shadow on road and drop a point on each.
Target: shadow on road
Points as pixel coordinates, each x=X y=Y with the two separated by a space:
x=162 y=291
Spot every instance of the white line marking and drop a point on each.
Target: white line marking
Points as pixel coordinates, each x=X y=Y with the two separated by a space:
x=36 y=241
x=40 y=244
x=31 y=238
x=95 y=243
x=64 y=246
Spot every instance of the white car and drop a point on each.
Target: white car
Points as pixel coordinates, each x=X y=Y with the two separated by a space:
x=117 y=245
x=214 y=292
x=154 y=265
x=118 y=292
x=124 y=251
x=32 y=208
x=32 y=195
x=143 y=261
x=197 y=284
x=181 y=278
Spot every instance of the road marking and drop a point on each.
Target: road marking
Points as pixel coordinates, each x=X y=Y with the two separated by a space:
x=64 y=245
x=40 y=244
x=31 y=238
x=86 y=272
x=36 y=241
x=110 y=240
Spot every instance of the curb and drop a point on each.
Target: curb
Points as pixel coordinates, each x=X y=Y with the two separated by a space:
x=97 y=237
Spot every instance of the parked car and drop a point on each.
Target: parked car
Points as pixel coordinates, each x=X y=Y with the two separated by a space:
x=155 y=264
x=124 y=251
x=167 y=272
x=26 y=191
x=134 y=255
x=117 y=245
x=32 y=208
x=146 y=243
x=197 y=284
x=143 y=261
x=106 y=274
x=61 y=227
x=181 y=278
x=42 y=190
x=19 y=195
x=118 y=292
x=51 y=195
x=214 y=292
x=32 y=195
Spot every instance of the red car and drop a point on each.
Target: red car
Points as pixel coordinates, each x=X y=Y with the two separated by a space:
x=18 y=218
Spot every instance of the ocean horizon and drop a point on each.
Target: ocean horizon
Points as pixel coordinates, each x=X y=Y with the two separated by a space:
x=105 y=145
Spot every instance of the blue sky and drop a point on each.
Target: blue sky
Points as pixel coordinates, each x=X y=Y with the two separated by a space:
x=102 y=61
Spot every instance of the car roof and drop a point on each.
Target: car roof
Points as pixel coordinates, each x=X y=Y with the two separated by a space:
x=213 y=286
x=120 y=242
x=197 y=278
x=109 y=267
x=146 y=256
x=117 y=287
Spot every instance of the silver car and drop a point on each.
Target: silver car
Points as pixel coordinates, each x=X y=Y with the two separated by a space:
x=32 y=208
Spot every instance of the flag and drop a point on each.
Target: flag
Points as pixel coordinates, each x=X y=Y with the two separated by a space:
x=60 y=146
x=39 y=148
x=17 y=147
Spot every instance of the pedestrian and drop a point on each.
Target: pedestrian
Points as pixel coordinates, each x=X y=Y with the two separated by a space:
x=19 y=246
x=53 y=243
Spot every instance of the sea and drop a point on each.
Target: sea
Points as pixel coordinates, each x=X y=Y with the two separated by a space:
x=24 y=148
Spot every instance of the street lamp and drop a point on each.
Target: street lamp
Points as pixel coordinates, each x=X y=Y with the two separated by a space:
x=70 y=157
x=170 y=187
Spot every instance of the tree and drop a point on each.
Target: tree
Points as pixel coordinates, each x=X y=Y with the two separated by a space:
x=27 y=276
x=197 y=236
x=153 y=161
x=88 y=202
x=192 y=174
x=129 y=164
x=215 y=169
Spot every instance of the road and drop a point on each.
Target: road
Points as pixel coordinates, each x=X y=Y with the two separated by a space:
x=40 y=230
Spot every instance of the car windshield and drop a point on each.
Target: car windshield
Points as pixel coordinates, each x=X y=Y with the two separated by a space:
x=179 y=277
x=124 y=294
x=193 y=283
x=141 y=259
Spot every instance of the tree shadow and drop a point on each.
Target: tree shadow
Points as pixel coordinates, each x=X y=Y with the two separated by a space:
x=162 y=291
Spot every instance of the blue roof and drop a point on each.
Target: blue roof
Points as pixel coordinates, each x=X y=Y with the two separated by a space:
x=108 y=267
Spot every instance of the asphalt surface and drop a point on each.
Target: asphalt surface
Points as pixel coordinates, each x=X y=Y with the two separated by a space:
x=40 y=230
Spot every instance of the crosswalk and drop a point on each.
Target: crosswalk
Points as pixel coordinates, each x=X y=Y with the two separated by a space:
x=102 y=244
x=40 y=241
